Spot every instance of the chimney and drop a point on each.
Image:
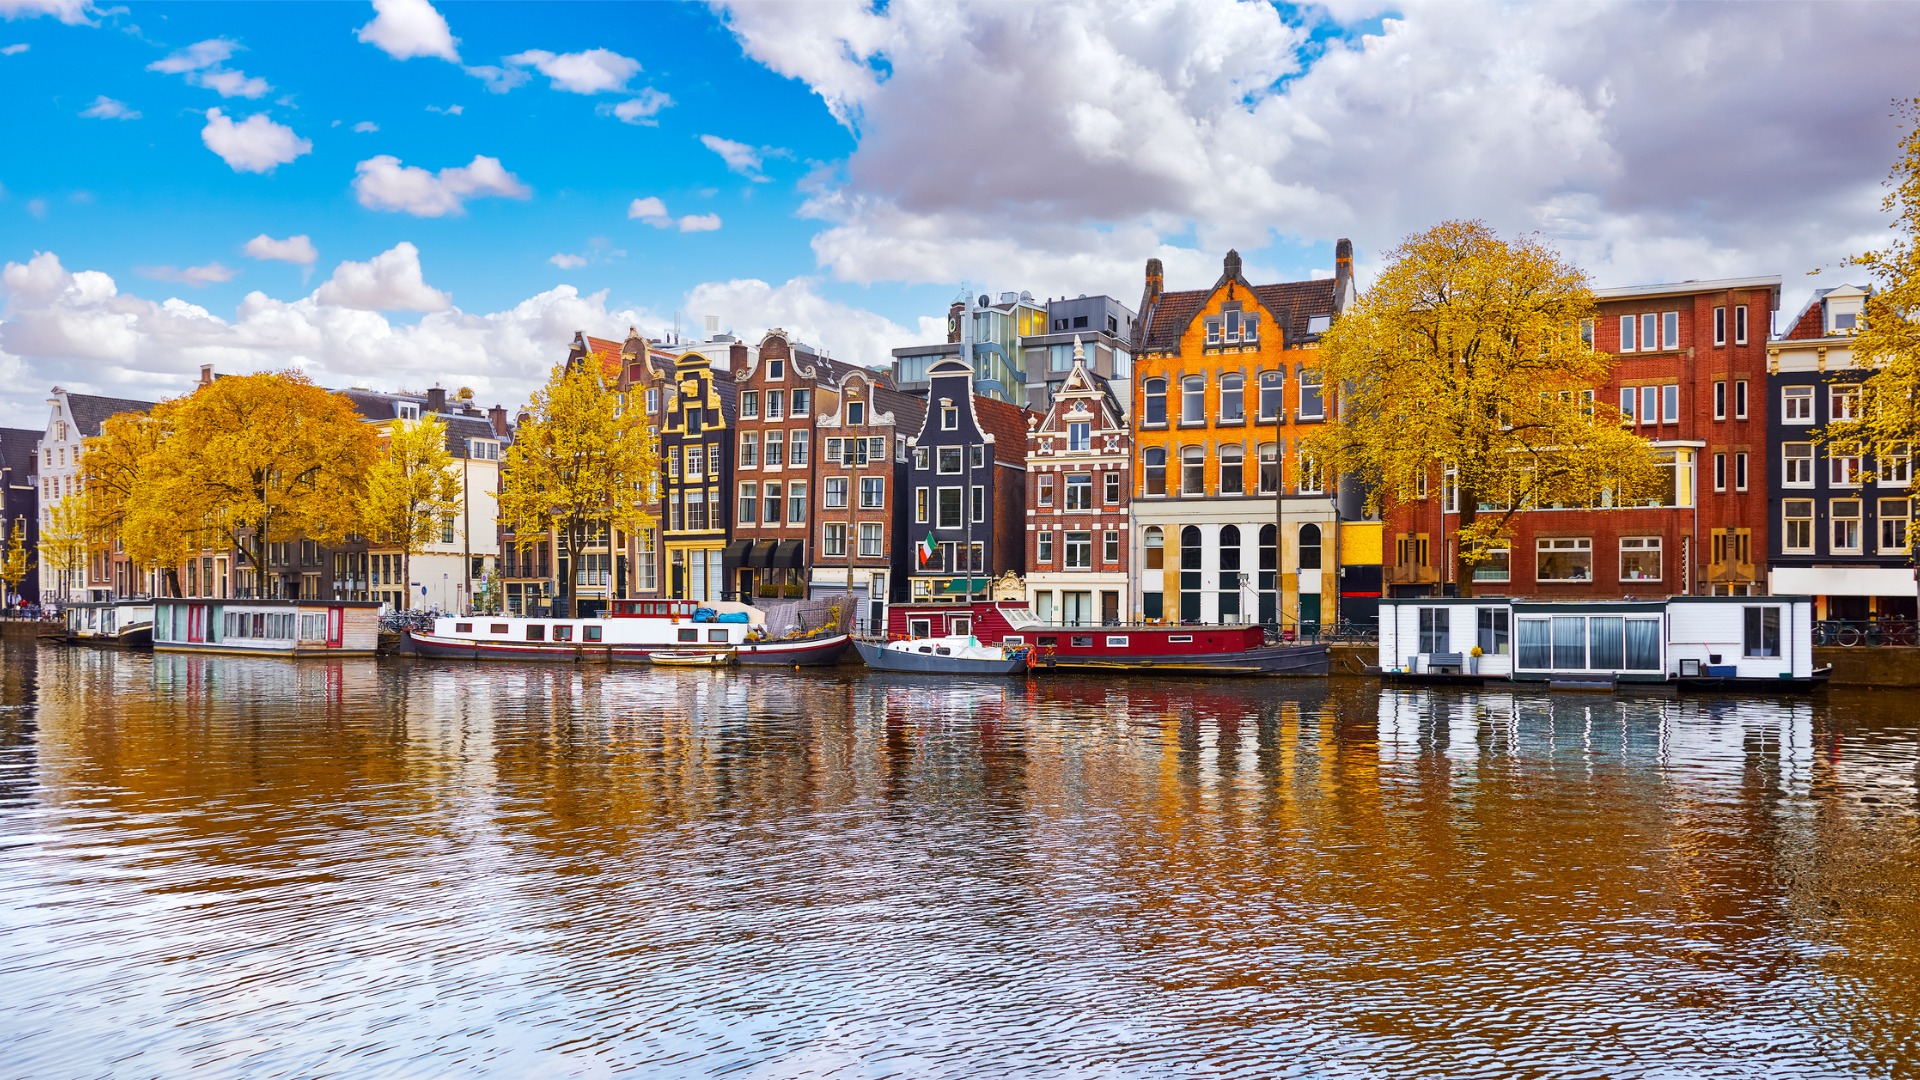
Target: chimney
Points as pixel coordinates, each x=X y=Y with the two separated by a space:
x=437 y=399
x=1342 y=271
x=1156 y=282
x=497 y=416
x=1230 y=266
x=206 y=374
x=954 y=315
x=713 y=327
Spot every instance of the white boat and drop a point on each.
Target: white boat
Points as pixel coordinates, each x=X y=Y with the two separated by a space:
x=629 y=633
x=124 y=624
x=959 y=654
x=690 y=658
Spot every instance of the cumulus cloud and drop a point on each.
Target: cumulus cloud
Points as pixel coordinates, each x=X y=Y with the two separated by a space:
x=204 y=64
x=383 y=183
x=847 y=333
x=71 y=12
x=77 y=329
x=595 y=71
x=447 y=110
x=568 y=262
x=699 y=223
x=404 y=29
x=105 y=108
x=390 y=281
x=15 y=49
x=212 y=273
x=256 y=144
x=639 y=110
x=366 y=127
x=653 y=211
x=739 y=157
x=298 y=250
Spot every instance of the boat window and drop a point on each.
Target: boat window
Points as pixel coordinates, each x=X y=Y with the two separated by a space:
x=497 y=628
x=563 y=633
x=944 y=651
x=463 y=628
x=1013 y=639
x=1116 y=641
x=1180 y=639
x=926 y=648
x=593 y=632
x=690 y=635
x=536 y=633
x=717 y=635
x=1082 y=642
x=1049 y=641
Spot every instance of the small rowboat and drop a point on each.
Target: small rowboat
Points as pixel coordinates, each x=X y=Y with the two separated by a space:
x=690 y=658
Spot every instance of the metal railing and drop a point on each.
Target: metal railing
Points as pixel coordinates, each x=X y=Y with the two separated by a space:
x=1873 y=633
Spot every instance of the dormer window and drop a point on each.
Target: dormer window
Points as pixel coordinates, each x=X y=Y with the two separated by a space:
x=1319 y=324
x=1844 y=321
x=1250 y=329
x=406 y=410
x=1213 y=331
x=483 y=449
x=856 y=412
x=776 y=369
x=949 y=418
x=1230 y=325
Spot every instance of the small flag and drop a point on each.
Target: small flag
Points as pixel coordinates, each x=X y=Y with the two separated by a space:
x=927 y=550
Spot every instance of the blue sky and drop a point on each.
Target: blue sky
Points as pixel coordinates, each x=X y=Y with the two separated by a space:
x=404 y=193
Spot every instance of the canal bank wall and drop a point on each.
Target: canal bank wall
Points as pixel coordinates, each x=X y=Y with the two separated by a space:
x=1861 y=668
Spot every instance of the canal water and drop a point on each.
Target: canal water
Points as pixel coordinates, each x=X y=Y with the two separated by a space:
x=233 y=867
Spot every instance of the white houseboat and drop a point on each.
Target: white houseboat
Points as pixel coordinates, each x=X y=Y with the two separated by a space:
x=266 y=627
x=1691 y=641
x=630 y=632
x=125 y=624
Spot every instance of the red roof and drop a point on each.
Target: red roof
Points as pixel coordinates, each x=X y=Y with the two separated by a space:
x=1812 y=323
x=1007 y=423
x=609 y=354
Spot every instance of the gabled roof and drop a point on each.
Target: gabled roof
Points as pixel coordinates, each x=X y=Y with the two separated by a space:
x=1082 y=385
x=1811 y=323
x=1007 y=423
x=607 y=352
x=89 y=412
x=376 y=407
x=16 y=453
x=1292 y=305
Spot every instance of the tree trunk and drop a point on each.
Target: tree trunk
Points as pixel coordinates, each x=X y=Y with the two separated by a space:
x=173 y=581
x=1462 y=569
x=406 y=574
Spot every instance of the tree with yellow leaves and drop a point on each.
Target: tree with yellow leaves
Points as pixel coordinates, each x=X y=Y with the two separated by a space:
x=580 y=463
x=243 y=462
x=1887 y=424
x=16 y=561
x=1466 y=358
x=411 y=489
x=63 y=541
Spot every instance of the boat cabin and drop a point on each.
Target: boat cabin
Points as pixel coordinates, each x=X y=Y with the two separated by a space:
x=266 y=627
x=1748 y=638
x=1008 y=622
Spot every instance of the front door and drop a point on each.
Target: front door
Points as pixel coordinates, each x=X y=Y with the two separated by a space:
x=336 y=626
x=1109 y=607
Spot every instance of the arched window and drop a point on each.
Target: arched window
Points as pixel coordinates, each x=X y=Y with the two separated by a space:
x=1268 y=580
x=1156 y=548
x=1269 y=468
x=1155 y=460
x=1233 y=469
x=1309 y=547
x=1193 y=400
x=1156 y=406
x=1193 y=471
x=1230 y=573
x=1190 y=574
x=1273 y=386
x=1190 y=548
x=1233 y=399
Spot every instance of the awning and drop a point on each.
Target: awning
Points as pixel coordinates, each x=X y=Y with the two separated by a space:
x=964 y=586
x=788 y=553
x=762 y=554
x=735 y=552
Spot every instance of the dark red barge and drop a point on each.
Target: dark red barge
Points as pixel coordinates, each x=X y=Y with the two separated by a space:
x=1143 y=648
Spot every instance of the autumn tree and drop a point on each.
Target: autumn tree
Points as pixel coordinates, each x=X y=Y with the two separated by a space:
x=16 y=560
x=63 y=539
x=411 y=489
x=243 y=462
x=150 y=532
x=1887 y=423
x=1466 y=361
x=579 y=464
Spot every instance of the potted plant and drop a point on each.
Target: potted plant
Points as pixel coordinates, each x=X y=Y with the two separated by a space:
x=1473 y=661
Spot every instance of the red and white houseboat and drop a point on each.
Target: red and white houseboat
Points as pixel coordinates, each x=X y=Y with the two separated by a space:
x=1142 y=648
x=630 y=632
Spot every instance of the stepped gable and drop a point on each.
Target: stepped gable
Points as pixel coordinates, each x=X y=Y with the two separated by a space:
x=1007 y=423
x=89 y=412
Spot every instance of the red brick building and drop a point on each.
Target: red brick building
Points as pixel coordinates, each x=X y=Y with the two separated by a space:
x=861 y=545
x=1690 y=375
x=1079 y=498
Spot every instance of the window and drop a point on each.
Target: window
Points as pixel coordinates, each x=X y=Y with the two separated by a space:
x=1059 y=357
x=1498 y=567
x=749 y=502
x=1436 y=630
x=1154 y=467
x=1762 y=629
x=749 y=449
x=1796 y=521
x=1626 y=333
x=1079 y=551
x=1110 y=547
x=1079 y=491
x=797 y=445
x=673 y=463
x=1719 y=472
x=950 y=508
x=1639 y=558
x=833 y=493
x=1193 y=400
x=978 y=452
x=1310 y=480
x=832 y=448
x=979 y=503
x=1113 y=489
x=1740 y=399
x=408 y=410
x=1740 y=472
x=1796 y=464
x=1079 y=436
x=1233 y=468
x=796 y=503
x=1213 y=331
x=1845 y=515
x=1310 y=547
x=873 y=493
x=1044 y=551
x=856 y=412
x=1628 y=396
x=1720 y=326
x=920 y=505
x=949 y=418
x=1670 y=330
x=920 y=457
x=1312 y=404
x=776 y=404
x=776 y=506
x=776 y=449
x=802 y=402
x=870 y=544
x=1156 y=403
x=696 y=462
x=1233 y=399
x=1844 y=404
x=1154 y=544
x=1896 y=466
x=1231 y=319
x=1843 y=471
x=1494 y=633
x=1740 y=325
x=1269 y=468
x=1670 y=403
x=1250 y=329
x=1564 y=559
x=776 y=368
x=833 y=539
x=749 y=404
x=1586 y=333
x=1719 y=401
x=1649 y=333
x=1896 y=515
x=1193 y=471
x=1796 y=404
x=697 y=510
x=951 y=460
x=1273 y=387
x=1045 y=489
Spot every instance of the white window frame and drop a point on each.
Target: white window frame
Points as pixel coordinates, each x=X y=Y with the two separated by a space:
x=1628 y=323
x=1574 y=544
x=878 y=485
x=1720 y=326
x=1789 y=458
x=1796 y=405
x=1641 y=545
x=1836 y=517
x=1792 y=512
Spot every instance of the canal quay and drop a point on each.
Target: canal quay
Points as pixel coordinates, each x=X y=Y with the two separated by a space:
x=218 y=866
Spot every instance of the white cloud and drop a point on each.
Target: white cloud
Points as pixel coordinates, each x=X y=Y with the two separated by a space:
x=654 y=212
x=71 y=12
x=639 y=110
x=700 y=223
x=212 y=273
x=76 y=329
x=739 y=157
x=447 y=110
x=383 y=183
x=37 y=207
x=595 y=71
x=105 y=108
x=366 y=127
x=568 y=262
x=408 y=28
x=256 y=144
x=390 y=281
x=499 y=80
x=847 y=333
x=15 y=49
x=298 y=250
x=650 y=210
x=203 y=64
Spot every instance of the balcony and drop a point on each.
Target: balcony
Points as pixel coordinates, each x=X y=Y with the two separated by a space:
x=1411 y=574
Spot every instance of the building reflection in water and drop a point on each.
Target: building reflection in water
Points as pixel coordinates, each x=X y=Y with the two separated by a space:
x=275 y=867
